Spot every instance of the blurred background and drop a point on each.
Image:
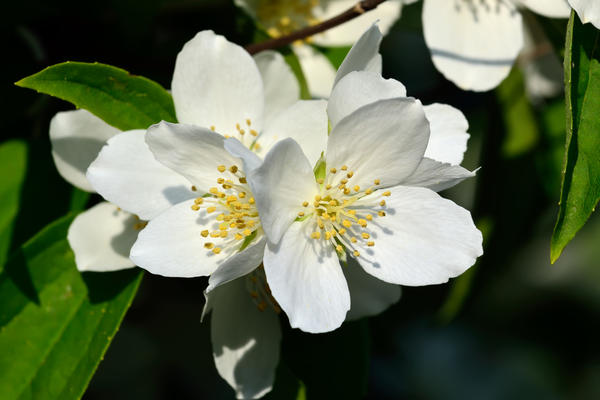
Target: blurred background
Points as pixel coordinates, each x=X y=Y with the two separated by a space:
x=513 y=326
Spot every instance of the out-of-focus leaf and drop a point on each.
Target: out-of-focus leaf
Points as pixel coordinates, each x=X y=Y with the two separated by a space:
x=13 y=165
x=335 y=55
x=519 y=118
x=580 y=190
x=292 y=60
x=55 y=323
x=341 y=371
x=79 y=199
x=123 y=100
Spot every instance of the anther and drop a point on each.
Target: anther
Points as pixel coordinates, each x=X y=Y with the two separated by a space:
x=317 y=198
x=353 y=239
x=247 y=232
x=369 y=217
x=316 y=235
x=347 y=191
x=347 y=223
x=248 y=122
x=386 y=193
x=204 y=233
x=233 y=169
x=212 y=128
x=350 y=174
x=320 y=181
x=356 y=253
x=243 y=180
x=221 y=168
x=328 y=186
x=253 y=132
x=208 y=245
x=342 y=231
x=370 y=243
x=344 y=181
x=251 y=200
x=195 y=207
x=301 y=214
x=305 y=204
x=377 y=181
x=362 y=223
x=194 y=188
x=339 y=248
x=381 y=213
x=356 y=188
x=211 y=209
x=344 y=167
x=382 y=203
x=333 y=170
x=216 y=250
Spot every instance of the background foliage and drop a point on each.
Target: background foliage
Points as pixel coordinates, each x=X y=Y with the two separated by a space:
x=512 y=327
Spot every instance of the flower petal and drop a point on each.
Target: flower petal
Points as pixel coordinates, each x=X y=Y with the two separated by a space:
x=437 y=176
x=384 y=140
x=191 y=151
x=77 y=137
x=423 y=240
x=360 y=88
x=588 y=11
x=172 y=244
x=386 y=14
x=245 y=341
x=448 y=138
x=127 y=174
x=216 y=83
x=238 y=265
x=237 y=149
x=306 y=279
x=363 y=55
x=548 y=8
x=280 y=185
x=306 y=122
x=101 y=238
x=280 y=84
x=318 y=70
x=473 y=44
x=369 y=296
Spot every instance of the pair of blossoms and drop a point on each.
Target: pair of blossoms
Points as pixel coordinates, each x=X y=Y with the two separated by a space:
x=473 y=43
x=316 y=208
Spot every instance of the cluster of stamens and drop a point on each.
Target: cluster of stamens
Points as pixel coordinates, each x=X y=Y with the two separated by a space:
x=237 y=216
x=259 y=290
x=282 y=17
x=339 y=220
x=244 y=133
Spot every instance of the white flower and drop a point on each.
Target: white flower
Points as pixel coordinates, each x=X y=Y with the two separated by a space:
x=102 y=236
x=281 y=17
x=374 y=202
x=217 y=87
x=588 y=11
x=474 y=43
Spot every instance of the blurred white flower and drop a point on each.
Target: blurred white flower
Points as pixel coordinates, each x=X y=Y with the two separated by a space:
x=281 y=17
x=588 y=11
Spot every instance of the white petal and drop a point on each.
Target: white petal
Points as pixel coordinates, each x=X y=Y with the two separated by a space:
x=245 y=341
x=474 y=44
x=191 y=151
x=101 y=238
x=448 y=138
x=548 y=8
x=437 y=176
x=280 y=185
x=280 y=83
x=306 y=122
x=77 y=137
x=369 y=296
x=360 y=88
x=423 y=240
x=239 y=264
x=384 y=140
x=317 y=69
x=306 y=279
x=386 y=14
x=216 y=83
x=362 y=54
x=127 y=174
x=588 y=11
x=171 y=244
x=237 y=149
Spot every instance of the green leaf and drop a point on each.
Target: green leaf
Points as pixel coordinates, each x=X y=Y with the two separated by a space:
x=13 y=165
x=122 y=100
x=580 y=190
x=56 y=323
x=343 y=361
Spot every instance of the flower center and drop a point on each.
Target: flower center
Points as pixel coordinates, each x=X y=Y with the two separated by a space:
x=342 y=211
x=236 y=222
x=258 y=288
x=282 y=17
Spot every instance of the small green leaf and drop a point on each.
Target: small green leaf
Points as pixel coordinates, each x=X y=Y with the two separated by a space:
x=13 y=163
x=56 y=323
x=580 y=190
x=122 y=100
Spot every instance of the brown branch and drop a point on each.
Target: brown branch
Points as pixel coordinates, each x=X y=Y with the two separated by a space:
x=356 y=11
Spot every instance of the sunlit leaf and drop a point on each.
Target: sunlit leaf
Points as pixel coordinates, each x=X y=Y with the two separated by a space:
x=123 y=100
x=55 y=323
x=581 y=174
x=13 y=163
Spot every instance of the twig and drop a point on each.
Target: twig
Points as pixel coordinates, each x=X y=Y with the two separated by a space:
x=357 y=10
